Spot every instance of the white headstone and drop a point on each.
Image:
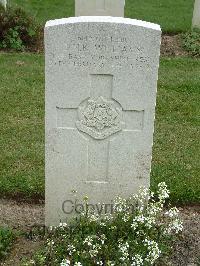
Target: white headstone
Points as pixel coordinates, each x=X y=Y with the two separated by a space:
x=4 y=3
x=196 y=15
x=101 y=81
x=113 y=8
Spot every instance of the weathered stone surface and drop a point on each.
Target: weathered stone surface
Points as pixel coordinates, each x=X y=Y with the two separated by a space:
x=114 y=8
x=196 y=15
x=101 y=81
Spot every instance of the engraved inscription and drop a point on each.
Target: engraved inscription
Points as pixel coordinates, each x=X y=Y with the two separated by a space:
x=99 y=118
x=98 y=51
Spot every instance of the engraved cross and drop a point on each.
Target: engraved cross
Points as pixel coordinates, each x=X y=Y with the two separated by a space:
x=99 y=120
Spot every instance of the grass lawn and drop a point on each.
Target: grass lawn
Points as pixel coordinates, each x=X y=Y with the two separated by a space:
x=172 y=15
x=22 y=130
x=176 y=152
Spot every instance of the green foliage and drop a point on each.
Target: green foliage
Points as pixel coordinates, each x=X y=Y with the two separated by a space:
x=12 y=40
x=18 y=30
x=191 y=42
x=6 y=240
x=135 y=233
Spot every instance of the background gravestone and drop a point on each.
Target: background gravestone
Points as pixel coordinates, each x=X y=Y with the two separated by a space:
x=196 y=15
x=113 y=8
x=101 y=81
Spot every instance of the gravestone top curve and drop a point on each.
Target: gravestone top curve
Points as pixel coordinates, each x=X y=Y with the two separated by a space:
x=106 y=19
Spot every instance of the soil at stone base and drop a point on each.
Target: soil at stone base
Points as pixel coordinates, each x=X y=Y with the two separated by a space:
x=24 y=217
x=172 y=46
x=21 y=217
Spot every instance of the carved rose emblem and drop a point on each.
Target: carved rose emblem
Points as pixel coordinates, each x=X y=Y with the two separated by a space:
x=100 y=114
x=99 y=118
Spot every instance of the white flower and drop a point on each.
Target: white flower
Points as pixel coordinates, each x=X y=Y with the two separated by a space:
x=137 y=260
x=65 y=263
x=178 y=225
x=88 y=241
x=163 y=192
x=153 y=209
x=125 y=217
x=141 y=219
x=120 y=205
x=102 y=239
x=62 y=225
x=143 y=193
x=134 y=225
x=50 y=243
x=78 y=264
x=153 y=250
x=173 y=212
x=71 y=249
x=124 y=250
x=94 y=251
x=102 y=224
x=108 y=217
x=175 y=226
x=93 y=218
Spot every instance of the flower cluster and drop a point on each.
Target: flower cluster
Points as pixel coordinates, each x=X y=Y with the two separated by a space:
x=153 y=251
x=137 y=233
x=137 y=260
x=176 y=224
x=67 y=263
x=124 y=249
